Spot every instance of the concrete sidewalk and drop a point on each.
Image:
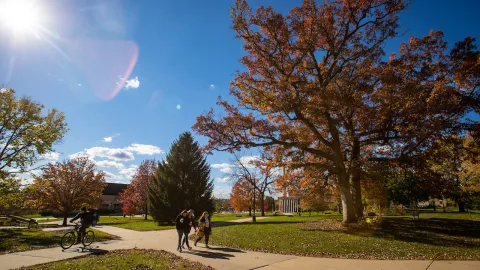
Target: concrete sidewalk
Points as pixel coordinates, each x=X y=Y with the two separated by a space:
x=222 y=257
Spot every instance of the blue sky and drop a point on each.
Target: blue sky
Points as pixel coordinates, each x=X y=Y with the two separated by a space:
x=131 y=76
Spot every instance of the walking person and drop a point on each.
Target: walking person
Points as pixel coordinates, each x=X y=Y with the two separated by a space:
x=204 y=229
x=180 y=225
x=188 y=228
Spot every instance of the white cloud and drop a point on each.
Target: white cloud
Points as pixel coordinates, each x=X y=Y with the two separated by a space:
x=27 y=181
x=77 y=155
x=144 y=149
x=132 y=83
x=51 y=155
x=249 y=161
x=222 y=179
x=179 y=107
x=212 y=87
x=110 y=164
x=79 y=84
x=221 y=193
x=118 y=154
x=110 y=175
x=107 y=139
x=224 y=167
x=129 y=172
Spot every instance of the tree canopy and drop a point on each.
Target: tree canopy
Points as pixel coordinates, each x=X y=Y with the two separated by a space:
x=319 y=89
x=26 y=132
x=135 y=198
x=67 y=186
x=182 y=181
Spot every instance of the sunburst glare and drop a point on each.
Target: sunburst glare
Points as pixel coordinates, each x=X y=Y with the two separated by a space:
x=21 y=16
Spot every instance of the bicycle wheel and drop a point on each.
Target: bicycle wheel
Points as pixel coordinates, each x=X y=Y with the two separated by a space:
x=68 y=240
x=88 y=238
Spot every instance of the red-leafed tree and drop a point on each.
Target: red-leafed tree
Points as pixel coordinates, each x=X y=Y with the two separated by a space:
x=128 y=199
x=135 y=198
x=317 y=86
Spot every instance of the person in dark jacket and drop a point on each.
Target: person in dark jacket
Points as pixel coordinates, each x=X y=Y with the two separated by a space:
x=180 y=222
x=204 y=229
x=188 y=228
x=95 y=217
x=86 y=220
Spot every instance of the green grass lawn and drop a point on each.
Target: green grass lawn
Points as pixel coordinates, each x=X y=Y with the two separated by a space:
x=228 y=217
x=35 y=216
x=324 y=236
x=15 y=240
x=133 y=223
x=48 y=220
x=140 y=224
x=138 y=259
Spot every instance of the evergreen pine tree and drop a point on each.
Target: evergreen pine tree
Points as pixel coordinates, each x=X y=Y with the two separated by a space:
x=182 y=181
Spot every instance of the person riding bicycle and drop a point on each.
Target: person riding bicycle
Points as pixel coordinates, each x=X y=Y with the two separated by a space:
x=86 y=220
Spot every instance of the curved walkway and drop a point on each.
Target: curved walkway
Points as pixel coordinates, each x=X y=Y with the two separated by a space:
x=222 y=257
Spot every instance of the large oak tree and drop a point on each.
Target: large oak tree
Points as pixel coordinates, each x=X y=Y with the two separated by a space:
x=317 y=85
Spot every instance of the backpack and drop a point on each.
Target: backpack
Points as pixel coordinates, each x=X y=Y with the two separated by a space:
x=87 y=218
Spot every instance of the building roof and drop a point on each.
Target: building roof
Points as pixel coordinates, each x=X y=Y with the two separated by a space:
x=114 y=188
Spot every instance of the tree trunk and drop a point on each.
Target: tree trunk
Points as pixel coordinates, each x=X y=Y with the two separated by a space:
x=356 y=177
x=358 y=195
x=434 y=206
x=146 y=213
x=65 y=217
x=443 y=202
x=250 y=211
x=262 y=204
x=461 y=207
x=348 y=207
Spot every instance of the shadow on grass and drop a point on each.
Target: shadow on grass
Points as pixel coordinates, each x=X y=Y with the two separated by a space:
x=440 y=232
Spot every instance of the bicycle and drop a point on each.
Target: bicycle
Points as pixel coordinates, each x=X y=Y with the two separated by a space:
x=69 y=238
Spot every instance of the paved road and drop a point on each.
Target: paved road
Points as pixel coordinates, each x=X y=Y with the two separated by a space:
x=224 y=258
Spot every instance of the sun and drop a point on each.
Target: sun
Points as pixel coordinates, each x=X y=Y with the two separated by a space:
x=20 y=16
